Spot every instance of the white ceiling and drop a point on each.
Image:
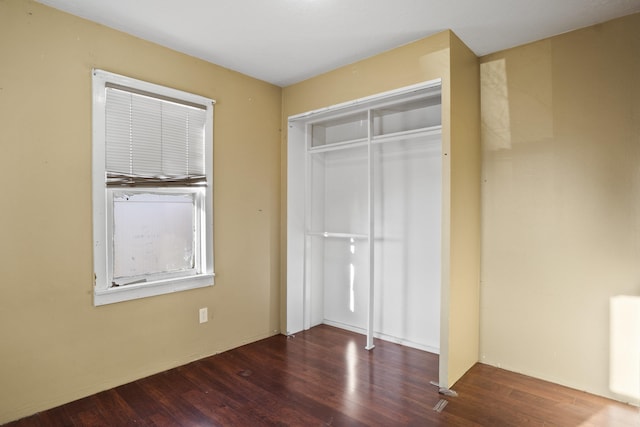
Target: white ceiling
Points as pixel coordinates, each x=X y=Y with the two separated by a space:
x=286 y=41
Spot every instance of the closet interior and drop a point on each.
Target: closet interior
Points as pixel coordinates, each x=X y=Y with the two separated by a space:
x=364 y=217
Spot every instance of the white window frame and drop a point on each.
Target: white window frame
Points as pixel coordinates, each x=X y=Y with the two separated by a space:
x=203 y=274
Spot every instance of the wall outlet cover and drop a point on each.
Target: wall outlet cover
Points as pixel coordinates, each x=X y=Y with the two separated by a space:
x=204 y=316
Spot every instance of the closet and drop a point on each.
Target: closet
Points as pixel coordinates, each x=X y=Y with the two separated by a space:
x=365 y=217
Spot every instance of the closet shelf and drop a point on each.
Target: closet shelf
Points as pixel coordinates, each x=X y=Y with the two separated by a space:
x=409 y=134
x=360 y=142
x=430 y=131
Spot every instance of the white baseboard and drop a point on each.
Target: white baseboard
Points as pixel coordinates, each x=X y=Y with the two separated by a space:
x=384 y=337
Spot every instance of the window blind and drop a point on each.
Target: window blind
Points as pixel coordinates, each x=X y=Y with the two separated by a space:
x=153 y=140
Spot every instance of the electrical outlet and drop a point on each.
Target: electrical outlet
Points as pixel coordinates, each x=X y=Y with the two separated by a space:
x=204 y=316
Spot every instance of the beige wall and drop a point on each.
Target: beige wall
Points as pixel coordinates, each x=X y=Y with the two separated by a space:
x=464 y=229
x=54 y=345
x=561 y=200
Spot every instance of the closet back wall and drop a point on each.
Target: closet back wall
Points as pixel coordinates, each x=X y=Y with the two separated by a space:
x=408 y=241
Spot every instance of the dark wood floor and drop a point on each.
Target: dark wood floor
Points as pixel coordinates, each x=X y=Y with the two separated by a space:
x=324 y=377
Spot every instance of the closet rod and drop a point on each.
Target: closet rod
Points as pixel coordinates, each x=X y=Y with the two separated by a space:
x=337 y=235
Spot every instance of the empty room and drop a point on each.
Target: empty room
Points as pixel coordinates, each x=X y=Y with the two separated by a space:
x=319 y=212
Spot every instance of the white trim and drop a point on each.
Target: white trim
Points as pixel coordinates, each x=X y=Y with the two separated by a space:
x=104 y=293
x=102 y=77
x=129 y=292
x=296 y=239
x=338 y=109
x=384 y=337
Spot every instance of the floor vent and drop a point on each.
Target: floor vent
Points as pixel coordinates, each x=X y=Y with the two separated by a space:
x=440 y=405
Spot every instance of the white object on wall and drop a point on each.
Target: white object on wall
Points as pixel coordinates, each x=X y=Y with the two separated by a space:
x=624 y=372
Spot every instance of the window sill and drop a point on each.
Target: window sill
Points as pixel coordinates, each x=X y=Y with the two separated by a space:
x=144 y=290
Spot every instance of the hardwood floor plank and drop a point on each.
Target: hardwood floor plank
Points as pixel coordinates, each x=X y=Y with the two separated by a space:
x=325 y=377
x=521 y=398
x=237 y=381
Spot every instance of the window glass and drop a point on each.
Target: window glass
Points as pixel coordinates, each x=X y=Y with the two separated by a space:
x=152 y=234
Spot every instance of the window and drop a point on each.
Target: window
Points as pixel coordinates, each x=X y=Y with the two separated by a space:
x=152 y=189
